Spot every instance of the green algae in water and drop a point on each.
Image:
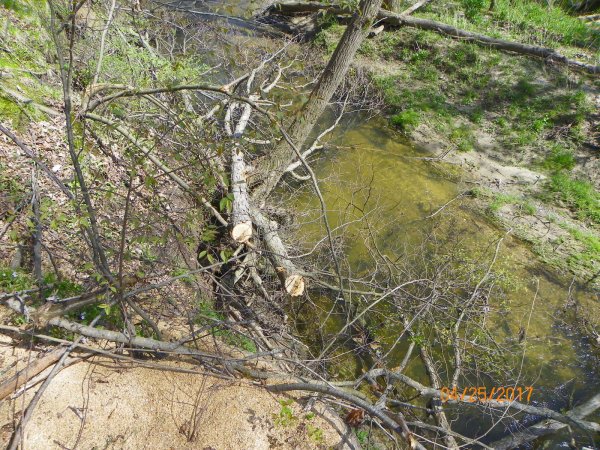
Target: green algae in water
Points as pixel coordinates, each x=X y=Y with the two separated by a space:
x=374 y=177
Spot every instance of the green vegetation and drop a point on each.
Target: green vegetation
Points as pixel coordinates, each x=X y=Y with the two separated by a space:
x=560 y=159
x=315 y=433
x=13 y=280
x=590 y=243
x=463 y=137
x=208 y=315
x=473 y=8
x=364 y=438
x=579 y=195
x=406 y=119
x=24 y=65
x=526 y=21
x=285 y=417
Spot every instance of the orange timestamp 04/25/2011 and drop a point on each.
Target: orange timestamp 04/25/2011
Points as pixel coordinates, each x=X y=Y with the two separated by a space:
x=483 y=394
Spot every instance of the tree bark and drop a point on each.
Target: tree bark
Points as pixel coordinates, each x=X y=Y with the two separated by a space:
x=392 y=5
x=288 y=274
x=273 y=166
x=241 y=230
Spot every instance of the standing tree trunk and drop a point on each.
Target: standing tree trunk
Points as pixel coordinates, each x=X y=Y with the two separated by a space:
x=273 y=166
x=392 y=5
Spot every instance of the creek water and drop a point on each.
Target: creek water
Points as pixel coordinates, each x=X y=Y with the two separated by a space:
x=375 y=173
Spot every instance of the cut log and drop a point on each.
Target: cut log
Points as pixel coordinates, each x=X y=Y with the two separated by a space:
x=294 y=285
x=376 y=31
x=291 y=279
x=241 y=222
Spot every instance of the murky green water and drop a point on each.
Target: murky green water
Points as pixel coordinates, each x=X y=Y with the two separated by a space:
x=373 y=176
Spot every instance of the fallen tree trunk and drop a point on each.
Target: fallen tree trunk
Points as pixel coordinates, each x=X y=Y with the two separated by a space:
x=288 y=274
x=400 y=20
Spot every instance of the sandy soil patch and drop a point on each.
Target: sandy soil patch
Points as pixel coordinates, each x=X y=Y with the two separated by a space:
x=108 y=405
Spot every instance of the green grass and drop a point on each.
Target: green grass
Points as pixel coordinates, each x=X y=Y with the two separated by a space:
x=579 y=195
x=473 y=8
x=499 y=200
x=591 y=241
x=405 y=120
x=438 y=77
x=527 y=21
x=463 y=137
x=560 y=159
x=548 y=23
x=590 y=254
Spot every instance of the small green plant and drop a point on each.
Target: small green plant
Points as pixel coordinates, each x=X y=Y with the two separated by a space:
x=364 y=438
x=12 y=280
x=463 y=137
x=529 y=208
x=226 y=203
x=406 y=120
x=19 y=320
x=315 y=433
x=503 y=199
x=286 y=417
